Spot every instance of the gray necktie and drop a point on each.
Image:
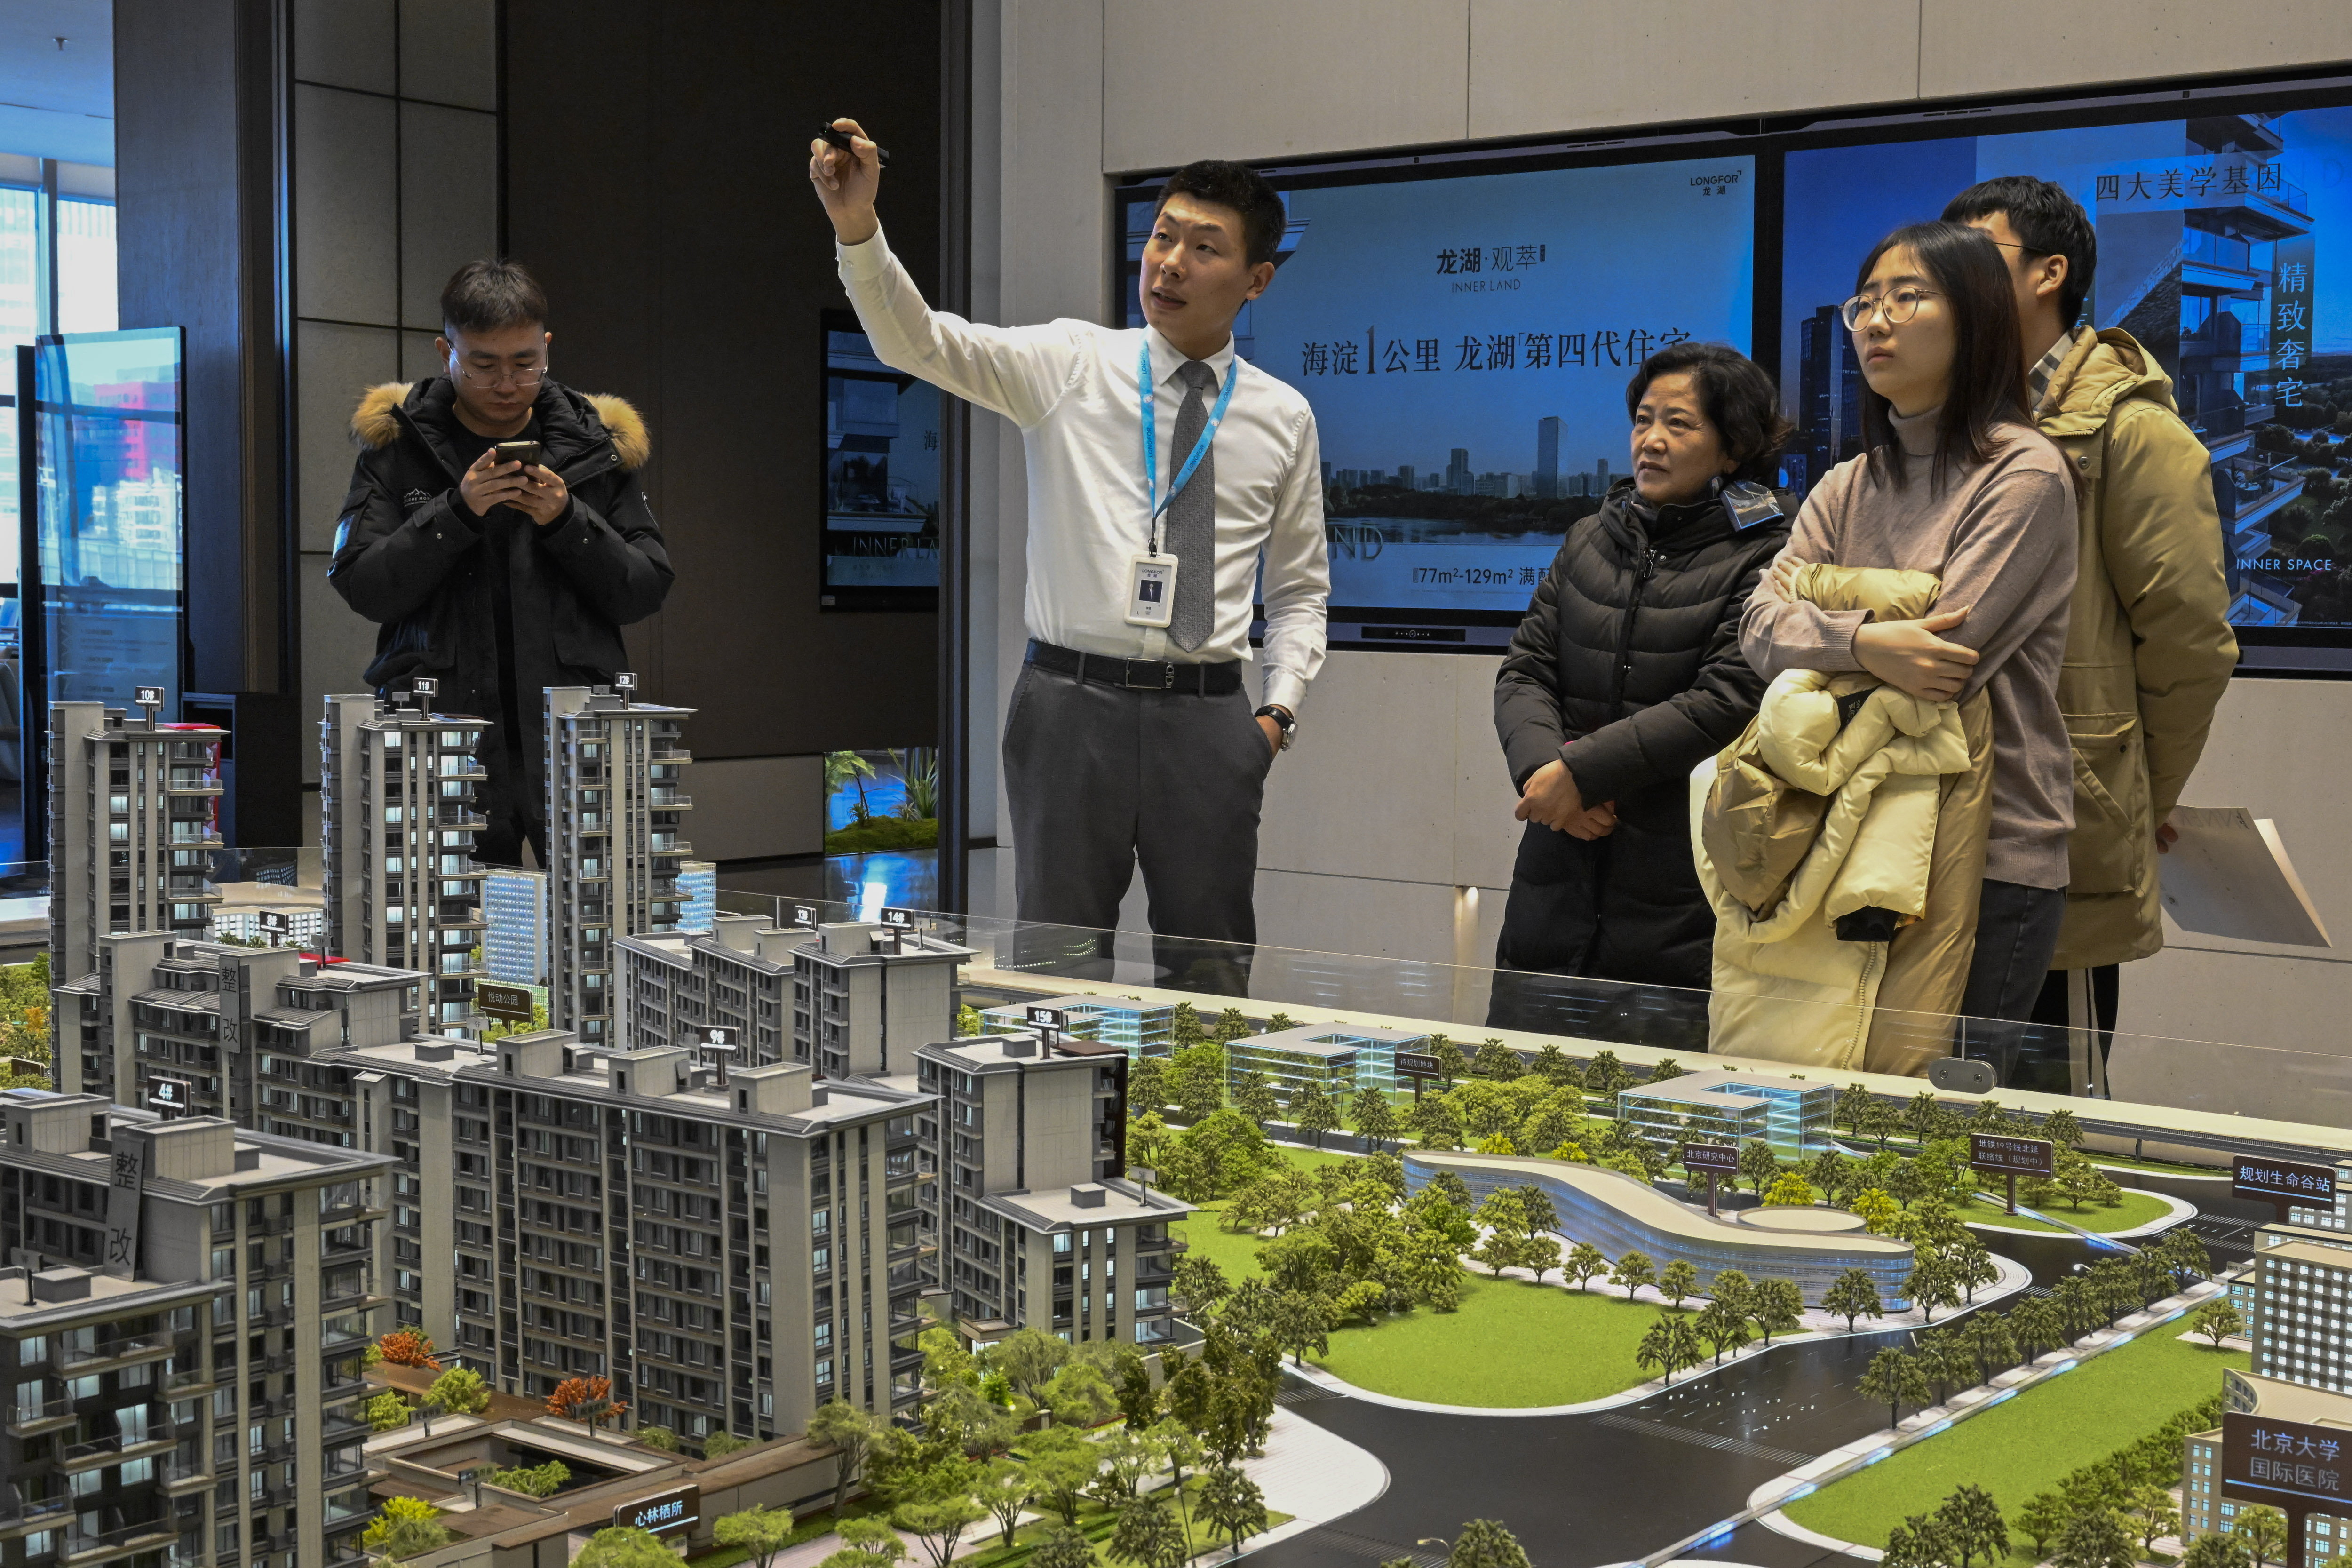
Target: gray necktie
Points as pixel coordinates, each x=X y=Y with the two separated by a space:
x=1193 y=516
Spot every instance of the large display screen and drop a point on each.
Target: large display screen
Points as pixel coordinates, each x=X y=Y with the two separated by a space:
x=881 y=537
x=1465 y=342
x=1465 y=326
x=2224 y=248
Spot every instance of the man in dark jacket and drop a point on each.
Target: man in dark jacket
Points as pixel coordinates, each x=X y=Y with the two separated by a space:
x=498 y=577
x=1624 y=675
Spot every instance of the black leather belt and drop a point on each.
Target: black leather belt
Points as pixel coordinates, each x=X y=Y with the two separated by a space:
x=1139 y=674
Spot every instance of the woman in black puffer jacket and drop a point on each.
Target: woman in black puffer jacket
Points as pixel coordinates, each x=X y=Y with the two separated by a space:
x=1624 y=675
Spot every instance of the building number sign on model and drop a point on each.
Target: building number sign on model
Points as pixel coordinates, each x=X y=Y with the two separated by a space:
x=2312 y=1186
x=2003 y=1155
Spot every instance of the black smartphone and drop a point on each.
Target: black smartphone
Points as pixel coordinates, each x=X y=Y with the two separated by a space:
x=523 y=452
x=832 y=138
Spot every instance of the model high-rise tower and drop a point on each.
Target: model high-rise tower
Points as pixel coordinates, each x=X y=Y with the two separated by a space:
x=134 y=816
x=615 y=848
x=396 y=827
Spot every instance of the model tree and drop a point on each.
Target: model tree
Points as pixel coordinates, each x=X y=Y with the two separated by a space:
x=1184 y=1027
x=1375 y=1119
x=1722 y=1326
x=1632 y=1272
x=1776 y=1306
x=2216 y=1320
x=1497 y=1061
x=761 y=1533
x=1312 y=1110
x=1849 y=1113
x=1197 y=1082
x=409 y=1347
x=1505 y=1218
x=1759 y=1164
x=1147 y=1086
x=1929 y=1284
x=1876 y=1210
x=2153 y=1515
x=1788 y=1190
x=1678 y=1281
x=1990 y=1344
x=407 y=1527
x=1971 y=1265
x=2212 y=1550
x=850 y=1433
x=1551 y=1127
x=1921 y=1115
x=1604 y=1074
x=1669 y=1345
x=2061 y=1128
x=2033 y=1323
x=1895 y=1380
x=1452 y=1062
x=1435 y=1119
x=2043 y=1517
x=1585 y=1262
x=1230 y=1026
x=2078 y=1306
x=459 y=1392
x=1969 y=1522
x=1253 y=1097
x=1853 y=1295
x=2261 y=1530
x=1485 y=1543
x=1552 y=1065
x=618 y=1546
x=2185 y=1254
x=1917 y=1543
x=2093 y=1538
x=1943 y=1361
x=587 y=1400
x=1232 y=1506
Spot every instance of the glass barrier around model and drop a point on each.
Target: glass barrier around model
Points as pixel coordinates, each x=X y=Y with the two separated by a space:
x=1123 y=986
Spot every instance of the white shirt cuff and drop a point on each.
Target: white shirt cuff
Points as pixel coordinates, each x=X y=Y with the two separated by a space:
x=1284 y=688
x=868 y=259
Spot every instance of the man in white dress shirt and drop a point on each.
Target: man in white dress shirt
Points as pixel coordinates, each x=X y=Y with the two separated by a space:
x=1130 y=737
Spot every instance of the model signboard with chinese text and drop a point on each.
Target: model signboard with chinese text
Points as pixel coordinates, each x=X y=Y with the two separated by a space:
x=663 y=1514
x=1721 y=1158
x=2003 y=1155
x=511 y=1004
x=2282 y=1181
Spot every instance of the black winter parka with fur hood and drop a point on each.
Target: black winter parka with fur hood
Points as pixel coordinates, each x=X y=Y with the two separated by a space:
x=411 y=557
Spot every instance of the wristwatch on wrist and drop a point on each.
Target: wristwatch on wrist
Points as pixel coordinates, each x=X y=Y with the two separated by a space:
x=1280 y=715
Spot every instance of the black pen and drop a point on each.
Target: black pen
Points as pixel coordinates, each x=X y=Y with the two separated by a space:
x=840 y=139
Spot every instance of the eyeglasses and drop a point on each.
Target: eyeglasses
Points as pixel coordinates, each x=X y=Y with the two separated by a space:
x=527 y=375
x=1897 y=305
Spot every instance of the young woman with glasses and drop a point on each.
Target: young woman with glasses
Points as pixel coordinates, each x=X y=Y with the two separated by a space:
x=1955 y=482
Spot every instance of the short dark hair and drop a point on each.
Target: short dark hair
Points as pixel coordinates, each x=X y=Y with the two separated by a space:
x=1737 y=397
x=2047 y=221
x=1240 y=187
x=1988 y=385
x=491 y=296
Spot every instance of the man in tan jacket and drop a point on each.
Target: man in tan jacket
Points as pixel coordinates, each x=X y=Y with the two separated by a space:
x=2148 y=648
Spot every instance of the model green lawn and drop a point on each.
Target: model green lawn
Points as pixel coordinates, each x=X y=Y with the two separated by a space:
x=2136 y=1209
x=1512 y=1345
x=2030 y=1443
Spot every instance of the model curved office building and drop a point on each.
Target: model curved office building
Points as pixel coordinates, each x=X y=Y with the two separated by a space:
x=1617 y=1215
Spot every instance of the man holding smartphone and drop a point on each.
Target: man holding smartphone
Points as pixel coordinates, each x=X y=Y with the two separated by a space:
x=1162 y=467
x=496 y=531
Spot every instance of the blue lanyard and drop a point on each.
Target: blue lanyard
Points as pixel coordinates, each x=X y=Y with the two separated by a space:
x=1150 y=389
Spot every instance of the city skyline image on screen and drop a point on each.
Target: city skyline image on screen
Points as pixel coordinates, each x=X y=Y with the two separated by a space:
x=2223 y=243
x=1465 y=342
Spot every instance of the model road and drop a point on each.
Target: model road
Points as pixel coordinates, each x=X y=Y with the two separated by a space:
x=1616 y=1486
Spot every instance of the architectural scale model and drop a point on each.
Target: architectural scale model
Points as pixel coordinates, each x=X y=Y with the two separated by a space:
x=182 y=1312
x=614 y=842
x=396 y=823
x=1141 y=1028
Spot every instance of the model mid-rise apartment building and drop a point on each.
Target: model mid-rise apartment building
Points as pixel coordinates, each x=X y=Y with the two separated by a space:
x=397 y=820
x=731 y=1247
x=739 y=976
x=865 y=996
x=615 y=843
x=1142 y=1027
x=134 y=816
x=183 y=1318
x=1042 y=1229
x=230 y=1027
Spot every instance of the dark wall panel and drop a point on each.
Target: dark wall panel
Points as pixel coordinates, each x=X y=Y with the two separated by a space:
x=656 y=180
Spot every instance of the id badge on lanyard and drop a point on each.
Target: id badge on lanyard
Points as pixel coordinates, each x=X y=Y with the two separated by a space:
x=1151 y=576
